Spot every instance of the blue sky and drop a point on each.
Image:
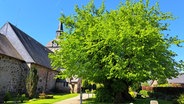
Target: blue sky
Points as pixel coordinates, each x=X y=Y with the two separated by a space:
x=39 y=18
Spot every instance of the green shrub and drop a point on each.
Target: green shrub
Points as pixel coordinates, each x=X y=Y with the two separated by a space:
x=21 y=98
x=169 y=90
x=87 y=91
x=165 y=85
x=144 y=93
x=145 y=84
x=180 y=100
x=132 y=93
x=103 y=95
x=93 y=91
x=157 y=95
x=7 y=96
x=31 y=82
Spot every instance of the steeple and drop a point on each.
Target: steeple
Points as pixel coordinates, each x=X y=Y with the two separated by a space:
x=60 y=30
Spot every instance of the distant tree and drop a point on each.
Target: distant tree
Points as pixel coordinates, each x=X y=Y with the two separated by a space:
x=31 y=82
x=116 y=48
x=162 y=81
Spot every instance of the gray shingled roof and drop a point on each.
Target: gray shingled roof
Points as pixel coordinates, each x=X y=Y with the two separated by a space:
x=178 y=80
x=30 y=50
x=7 y=49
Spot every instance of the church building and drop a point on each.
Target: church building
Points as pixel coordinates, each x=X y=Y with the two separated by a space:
x=72 y=84
x=19 y=53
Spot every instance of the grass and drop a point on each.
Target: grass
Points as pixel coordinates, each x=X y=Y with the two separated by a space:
x=137 y=101
x=56 y=98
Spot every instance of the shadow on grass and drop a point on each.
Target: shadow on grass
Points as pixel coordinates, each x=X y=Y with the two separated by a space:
x=137 y=101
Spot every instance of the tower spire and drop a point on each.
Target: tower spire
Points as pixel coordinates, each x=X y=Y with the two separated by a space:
x=60 y=30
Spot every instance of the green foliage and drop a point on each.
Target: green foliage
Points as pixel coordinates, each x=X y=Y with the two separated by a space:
x=7 y=97
x=21 y=98
x=180 y=100
x=103 y=95
x=93 y=91
x=137 y=101
x=126 y=44
x=165 y=85
x=132 y=93
x=87 y=91
x=144 y=93
x=136 y=86
x=145 y=84
x=57 y=98
x=86 y=85
x=162 y=81
x=31 y=82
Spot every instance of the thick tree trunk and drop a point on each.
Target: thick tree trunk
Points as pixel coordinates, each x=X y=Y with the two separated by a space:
x=114 y=91
x=122 y=97
x=120 y=89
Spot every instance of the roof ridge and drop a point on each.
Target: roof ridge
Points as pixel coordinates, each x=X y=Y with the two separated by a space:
x=34 y=51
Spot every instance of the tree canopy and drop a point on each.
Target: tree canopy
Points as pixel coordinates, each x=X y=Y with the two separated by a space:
x=127 y=43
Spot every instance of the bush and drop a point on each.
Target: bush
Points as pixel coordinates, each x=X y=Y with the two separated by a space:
x=132 y=93
x=157 y=95
x=144 y=93
x=103 y=95
x=87 y=91
x=7 y=96
x=93 y=91
x=169 y=90
x=31 y=82
x=22 y=98
x=180 y=100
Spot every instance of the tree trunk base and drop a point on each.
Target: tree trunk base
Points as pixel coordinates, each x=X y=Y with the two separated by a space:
x=122 y=97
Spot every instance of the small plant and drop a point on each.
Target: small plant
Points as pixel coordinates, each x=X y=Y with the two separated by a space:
x=144 y=93
x=88 y=92
x=7 y=97
x=180 y=100
x=132 y=93
x=93 y=92
x=22 y=98
x=31 y=82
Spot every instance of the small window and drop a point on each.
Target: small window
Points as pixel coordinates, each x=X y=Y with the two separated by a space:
x=65 y=84
x=54 y=44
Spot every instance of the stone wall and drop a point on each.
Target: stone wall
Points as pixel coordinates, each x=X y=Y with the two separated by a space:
x=51 y=81
x=12 y=75
x=62 y=86
x=46 y=81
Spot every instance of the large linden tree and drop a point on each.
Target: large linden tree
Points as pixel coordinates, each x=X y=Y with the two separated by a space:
x=116 y=48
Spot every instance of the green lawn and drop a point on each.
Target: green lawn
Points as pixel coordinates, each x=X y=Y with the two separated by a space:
x=137 y=101
x=56 y=98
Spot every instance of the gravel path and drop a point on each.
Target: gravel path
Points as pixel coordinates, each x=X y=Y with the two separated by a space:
x=74 y=100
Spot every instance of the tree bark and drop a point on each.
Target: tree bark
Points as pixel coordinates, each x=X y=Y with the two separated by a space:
x=122 y=96
x=120 y=91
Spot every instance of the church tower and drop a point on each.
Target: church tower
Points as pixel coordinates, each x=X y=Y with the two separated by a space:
x=52 y=45
x=60 y=30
